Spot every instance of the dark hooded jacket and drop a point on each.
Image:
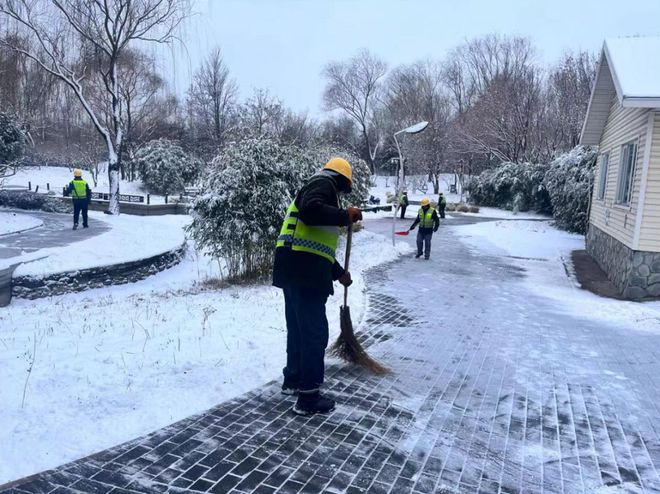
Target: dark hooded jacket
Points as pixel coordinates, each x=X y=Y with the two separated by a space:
x=317 y=203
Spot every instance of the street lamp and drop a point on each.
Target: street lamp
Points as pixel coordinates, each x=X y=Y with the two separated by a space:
x=400 y=177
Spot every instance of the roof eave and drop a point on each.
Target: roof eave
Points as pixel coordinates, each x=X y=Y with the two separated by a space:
x=640 y=102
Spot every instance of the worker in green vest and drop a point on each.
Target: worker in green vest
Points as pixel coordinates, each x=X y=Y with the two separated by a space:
x=305 y=268
x=403 y=203
x=428 y=222
x=80 y=193
x=442 y=204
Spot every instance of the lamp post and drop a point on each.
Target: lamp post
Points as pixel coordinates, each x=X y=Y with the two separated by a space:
x=400 y=177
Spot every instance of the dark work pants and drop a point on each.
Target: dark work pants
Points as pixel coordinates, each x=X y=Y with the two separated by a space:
x=78 y=206
x=441 y=210
x=403 y=212
x=424 y=240
x=306 y=339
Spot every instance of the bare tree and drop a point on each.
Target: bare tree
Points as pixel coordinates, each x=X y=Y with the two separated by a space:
x=212 y=98
x=110 y=28
x=354 y=87
x=262 y=114
x=415 y=93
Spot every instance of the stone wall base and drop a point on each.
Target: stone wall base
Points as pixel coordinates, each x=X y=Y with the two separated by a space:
x=636 y=274
x=76 y=281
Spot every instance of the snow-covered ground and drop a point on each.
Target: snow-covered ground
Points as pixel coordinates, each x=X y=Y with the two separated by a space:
x=130 y=238
x=11 y=222
x=83 y=372
x=58 y=177
x=545 y=252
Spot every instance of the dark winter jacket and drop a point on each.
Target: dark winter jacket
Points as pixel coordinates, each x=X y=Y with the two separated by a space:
x=317 y=203
x=87 y=189
x=436 y=223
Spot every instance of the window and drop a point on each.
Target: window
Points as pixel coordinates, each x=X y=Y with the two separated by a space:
x=626 y=173
x=602 y=175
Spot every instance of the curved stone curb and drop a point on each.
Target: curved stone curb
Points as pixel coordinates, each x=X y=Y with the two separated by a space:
x=2 y=235
x=33 y=287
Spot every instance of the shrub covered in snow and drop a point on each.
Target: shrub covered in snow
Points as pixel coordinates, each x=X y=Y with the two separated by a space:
x=247 y=191
x=12 y=143
x=33 y=201
x=165 y=168
x=568 y=181
x=511 y=186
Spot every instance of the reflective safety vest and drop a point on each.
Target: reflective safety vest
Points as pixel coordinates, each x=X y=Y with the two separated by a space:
x=426 y=220
x=296 y=235
x=79 y=189
x=402 y=200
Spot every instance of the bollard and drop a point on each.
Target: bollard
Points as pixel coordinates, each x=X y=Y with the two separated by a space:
x=36 y=189
x=180 y=197
x=165 y=198
x=148 y=199
x=29 y=185
x=47 y=186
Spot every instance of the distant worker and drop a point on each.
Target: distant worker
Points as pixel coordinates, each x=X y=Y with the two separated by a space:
x=442 y=204
x=305 y=268
x=81 y=195
x=428 y=221
x=403 y=203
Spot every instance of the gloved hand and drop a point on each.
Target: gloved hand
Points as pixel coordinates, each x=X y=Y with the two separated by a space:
x=345 y=279
x=354 y=215
x=435 y=229
x=411 y=228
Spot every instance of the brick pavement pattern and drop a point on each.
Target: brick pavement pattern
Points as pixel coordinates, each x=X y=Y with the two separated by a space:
x=493 y=390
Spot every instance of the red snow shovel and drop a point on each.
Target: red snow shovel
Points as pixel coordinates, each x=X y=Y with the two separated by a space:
x=403 y=234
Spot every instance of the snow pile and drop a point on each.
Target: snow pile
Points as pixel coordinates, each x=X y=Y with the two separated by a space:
x=130 y=238
x=115 y=363
x=11 y=222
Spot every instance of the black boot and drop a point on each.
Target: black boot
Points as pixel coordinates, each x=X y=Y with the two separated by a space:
x=311 y=403
x=75 y=226
x=289 y=388
x=419 y=254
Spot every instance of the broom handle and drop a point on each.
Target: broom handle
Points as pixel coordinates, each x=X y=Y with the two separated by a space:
x=349 y=241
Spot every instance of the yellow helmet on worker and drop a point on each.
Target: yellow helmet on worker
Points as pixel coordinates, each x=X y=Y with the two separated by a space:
x=341 y=166
x=77 y=172
x=425 y=202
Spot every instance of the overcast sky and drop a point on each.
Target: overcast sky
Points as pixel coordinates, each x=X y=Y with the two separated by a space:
x=283 y=45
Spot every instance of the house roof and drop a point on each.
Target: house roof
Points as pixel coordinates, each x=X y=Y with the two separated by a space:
x=630 y=69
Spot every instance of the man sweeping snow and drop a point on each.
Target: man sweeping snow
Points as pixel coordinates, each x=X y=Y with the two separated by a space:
x=305 y=268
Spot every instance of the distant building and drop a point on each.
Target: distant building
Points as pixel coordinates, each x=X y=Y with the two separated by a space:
x=623 y=120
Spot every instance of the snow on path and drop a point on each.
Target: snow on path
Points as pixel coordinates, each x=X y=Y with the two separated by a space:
x=11 y=222
x=546 y=252
x=114 y=363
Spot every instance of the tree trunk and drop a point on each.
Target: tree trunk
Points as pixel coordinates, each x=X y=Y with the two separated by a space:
x=113 y=179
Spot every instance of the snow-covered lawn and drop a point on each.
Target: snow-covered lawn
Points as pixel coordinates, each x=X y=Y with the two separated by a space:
x=130 y=238
x=11 y=222
x=545 y=253
x=108 y=365
x=59 y=176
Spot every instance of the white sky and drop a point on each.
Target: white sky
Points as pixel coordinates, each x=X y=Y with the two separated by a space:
x=282 y=45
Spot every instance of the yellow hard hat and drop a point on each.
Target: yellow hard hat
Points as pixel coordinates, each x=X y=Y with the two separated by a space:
x=341 y=166
x=77 y=172
x=425 y=201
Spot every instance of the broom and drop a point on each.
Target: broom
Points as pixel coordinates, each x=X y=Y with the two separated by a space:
x=347 y=347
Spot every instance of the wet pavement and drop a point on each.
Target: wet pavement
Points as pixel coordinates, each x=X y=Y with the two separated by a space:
x=492 y=390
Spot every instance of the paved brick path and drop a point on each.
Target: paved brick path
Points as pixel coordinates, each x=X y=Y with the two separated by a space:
x=493 y=390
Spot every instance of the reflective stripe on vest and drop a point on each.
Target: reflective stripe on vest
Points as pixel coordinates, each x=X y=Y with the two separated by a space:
x=426 y=220
x=296 y=235
x=79 y=189
x=402 y=200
